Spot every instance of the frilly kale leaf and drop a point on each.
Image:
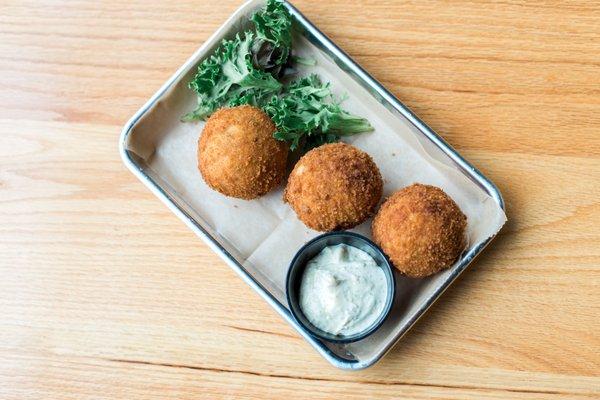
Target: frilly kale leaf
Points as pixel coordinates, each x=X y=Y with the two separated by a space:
x=272 y=46
x=308 y=115
x=245 y=71
x=228 y=77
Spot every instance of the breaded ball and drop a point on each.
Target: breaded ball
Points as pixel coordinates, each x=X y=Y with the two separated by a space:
x=334 y=186
x=237 y=154
x=421 y=229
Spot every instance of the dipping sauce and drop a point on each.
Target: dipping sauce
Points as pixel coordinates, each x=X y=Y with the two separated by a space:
x=343 y=291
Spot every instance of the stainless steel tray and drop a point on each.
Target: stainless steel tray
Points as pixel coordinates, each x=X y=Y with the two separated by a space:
x=338 y=355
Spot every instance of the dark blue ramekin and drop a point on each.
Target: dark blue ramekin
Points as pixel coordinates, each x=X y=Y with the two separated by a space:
x=309 y=251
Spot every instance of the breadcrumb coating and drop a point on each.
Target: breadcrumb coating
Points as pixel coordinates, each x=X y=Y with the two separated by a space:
x=237 y=154
x=334 y=186
x=421 y=229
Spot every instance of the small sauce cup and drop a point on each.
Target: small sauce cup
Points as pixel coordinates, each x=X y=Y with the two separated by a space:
x=308 y=252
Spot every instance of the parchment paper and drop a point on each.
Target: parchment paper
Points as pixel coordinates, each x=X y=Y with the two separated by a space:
x=264 y=234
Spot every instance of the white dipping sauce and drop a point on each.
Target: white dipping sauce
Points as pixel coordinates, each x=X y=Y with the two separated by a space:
x=343 y=291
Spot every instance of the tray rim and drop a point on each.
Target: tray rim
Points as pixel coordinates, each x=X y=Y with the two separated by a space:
x=354 y=68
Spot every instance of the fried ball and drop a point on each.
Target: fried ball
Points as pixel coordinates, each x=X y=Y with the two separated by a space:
x=421 y=229
x=334 y=186
x=237 y=154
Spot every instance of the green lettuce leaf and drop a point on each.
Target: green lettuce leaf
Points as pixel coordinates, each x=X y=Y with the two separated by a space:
x=245 y=70
x=307 y=115
x=274 y=27
x=227 y=76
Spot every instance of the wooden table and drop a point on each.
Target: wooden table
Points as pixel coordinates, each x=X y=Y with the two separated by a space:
x=104 y=293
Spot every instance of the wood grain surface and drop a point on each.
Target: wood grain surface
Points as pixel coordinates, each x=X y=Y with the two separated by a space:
x=105 y=294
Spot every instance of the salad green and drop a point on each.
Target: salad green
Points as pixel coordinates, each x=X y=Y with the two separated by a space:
x=250 y=68
x=307 y=110
x=228 y=77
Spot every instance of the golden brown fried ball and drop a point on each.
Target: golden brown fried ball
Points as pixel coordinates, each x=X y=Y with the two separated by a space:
x=237 y=154
x=334 y=186
x=421 y=229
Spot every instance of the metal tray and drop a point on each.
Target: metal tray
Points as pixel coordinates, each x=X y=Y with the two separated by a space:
x=337 y=355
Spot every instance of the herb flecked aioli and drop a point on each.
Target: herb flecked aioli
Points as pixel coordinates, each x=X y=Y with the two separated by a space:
x=343 y=291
